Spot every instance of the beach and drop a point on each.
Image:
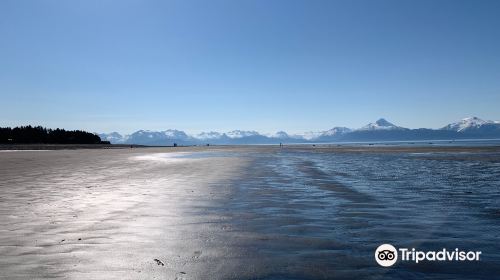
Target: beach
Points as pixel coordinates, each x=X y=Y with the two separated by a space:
x=245 y=212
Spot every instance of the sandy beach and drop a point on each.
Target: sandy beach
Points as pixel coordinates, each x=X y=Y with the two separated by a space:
x=232 y=213
x=95 y=214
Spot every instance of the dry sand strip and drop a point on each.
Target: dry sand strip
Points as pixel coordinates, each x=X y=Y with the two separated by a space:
x=64 y=146
x=114 y=214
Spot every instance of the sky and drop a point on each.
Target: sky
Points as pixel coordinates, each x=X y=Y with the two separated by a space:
x=264 y=65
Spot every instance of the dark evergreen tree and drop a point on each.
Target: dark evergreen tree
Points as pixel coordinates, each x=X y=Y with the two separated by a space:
x=40 y=135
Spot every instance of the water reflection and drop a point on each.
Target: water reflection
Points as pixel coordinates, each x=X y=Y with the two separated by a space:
x=321 y=214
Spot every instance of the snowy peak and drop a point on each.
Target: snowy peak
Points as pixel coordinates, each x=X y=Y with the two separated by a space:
x=381 y=124
x=209 y=135
x=315 y=135
x=175 y=134
x=241 y=133
x=148 y=137
x=310 y=135
x=280 y=135
x=336 y=131
x=466 y=124
x=113 y=137
x=171 y=133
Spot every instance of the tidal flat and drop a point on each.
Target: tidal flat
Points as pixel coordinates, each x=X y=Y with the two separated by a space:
x=247 y=212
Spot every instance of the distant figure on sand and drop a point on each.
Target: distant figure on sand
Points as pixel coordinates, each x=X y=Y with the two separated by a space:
x=281 y=145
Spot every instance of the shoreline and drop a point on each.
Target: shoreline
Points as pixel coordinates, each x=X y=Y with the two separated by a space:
x=335 y=148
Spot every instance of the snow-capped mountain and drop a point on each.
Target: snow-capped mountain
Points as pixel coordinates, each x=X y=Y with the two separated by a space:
x=167 y=134
x=113 y=137
x=279 y=135
x=175 y=134
x=468 y=124
x=381 y=124
x=315 y=135
x=210 y=135
x=310 y=135
x=166 y=137
x=336 y=131
x=381 y=130
x=241 y=133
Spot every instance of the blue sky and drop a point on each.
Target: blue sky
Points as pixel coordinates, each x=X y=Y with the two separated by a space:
x=262 y=65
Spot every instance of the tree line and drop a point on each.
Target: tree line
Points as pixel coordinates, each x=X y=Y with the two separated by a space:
x=41 y=135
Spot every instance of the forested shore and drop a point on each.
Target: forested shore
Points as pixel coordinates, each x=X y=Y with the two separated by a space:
x=41 y=135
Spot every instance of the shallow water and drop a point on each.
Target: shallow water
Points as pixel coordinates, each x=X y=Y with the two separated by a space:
x=245 y=213
x=321 y=214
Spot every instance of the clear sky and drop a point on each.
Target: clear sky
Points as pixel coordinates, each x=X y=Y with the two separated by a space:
x=238 y=64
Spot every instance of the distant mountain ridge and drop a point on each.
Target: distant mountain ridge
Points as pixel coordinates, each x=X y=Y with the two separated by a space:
x=380 y=130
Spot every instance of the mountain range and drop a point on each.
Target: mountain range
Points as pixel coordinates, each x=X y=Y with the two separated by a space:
x=381 y=130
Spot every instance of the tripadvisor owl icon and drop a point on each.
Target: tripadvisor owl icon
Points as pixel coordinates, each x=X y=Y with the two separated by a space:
x=386 y=255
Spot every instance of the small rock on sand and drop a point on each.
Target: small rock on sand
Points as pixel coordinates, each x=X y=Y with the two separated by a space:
x=158 y=262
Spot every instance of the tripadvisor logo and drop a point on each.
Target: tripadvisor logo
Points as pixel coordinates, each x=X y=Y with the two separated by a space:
x=387 y=255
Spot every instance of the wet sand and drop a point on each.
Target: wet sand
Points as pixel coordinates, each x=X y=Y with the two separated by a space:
x=197 y=213
x=102 y=214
